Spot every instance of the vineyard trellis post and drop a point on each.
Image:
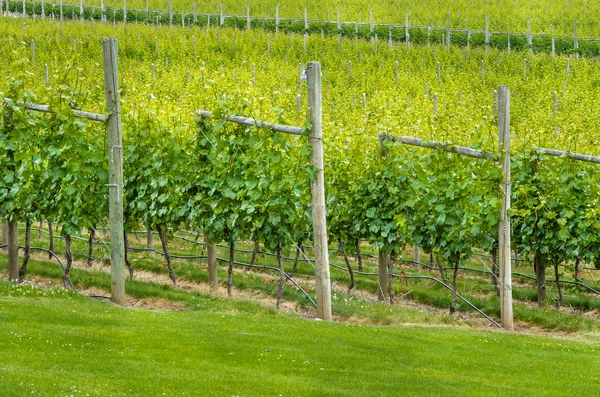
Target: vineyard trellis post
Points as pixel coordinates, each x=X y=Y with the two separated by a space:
x=211 y=251
x=4 y=232
x=504 y=237
x=504 y=229
x=317 y=186
x=115 y=148
x=13 y=250
x=383 y=275
x=12 y=230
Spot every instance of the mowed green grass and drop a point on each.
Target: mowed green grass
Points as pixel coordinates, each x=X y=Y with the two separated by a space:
x=58 y=344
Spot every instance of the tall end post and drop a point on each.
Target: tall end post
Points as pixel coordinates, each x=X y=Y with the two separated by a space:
x=504 y=237
x=115 y=161
x=317 y=187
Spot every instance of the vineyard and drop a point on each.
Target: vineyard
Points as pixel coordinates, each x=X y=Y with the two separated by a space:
x=550 y=35
x=402 y=220
x=512 y=16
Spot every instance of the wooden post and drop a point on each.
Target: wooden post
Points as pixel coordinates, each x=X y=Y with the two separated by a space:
x=115 y=155
x=305 y=19
x=61 y=17
x=417 y=254
x=482 y=70
x=504 y=236
x=47 y=76
x=149 y=238
x=4 y=239
x=575 y=41
x=371 y=27
x=13 y=251
x=529 y=41
x=248 y=24
x=383 y=276
x=487 y=30
x=317 y=187
x=375 y=40
x=211 y=251
x=12 y=231
x=277 y=19
x=406 y=33
x=339 y=23
x=448 y=30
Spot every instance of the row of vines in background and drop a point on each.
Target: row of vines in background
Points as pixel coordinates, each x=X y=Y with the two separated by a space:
x=236 y=182
x=516 y=40
x=193 y=68
x=547 y=16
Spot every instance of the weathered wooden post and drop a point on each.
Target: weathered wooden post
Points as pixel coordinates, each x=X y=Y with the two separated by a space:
x=211 y=252
x=4 y=237
x=448 y=30
x=248 y=23
x=487 y=31
x=10 y=231
x=529 y=38
x=575 y=41
x=383 y=276
x=406 y=32
x=276 y=20
x=61 y=17
x=417 y=254
x=317 y=187
x=115 y=164
x=13 y=250
x=506 y=309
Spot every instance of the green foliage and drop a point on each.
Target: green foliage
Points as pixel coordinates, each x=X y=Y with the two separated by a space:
x=555 y=208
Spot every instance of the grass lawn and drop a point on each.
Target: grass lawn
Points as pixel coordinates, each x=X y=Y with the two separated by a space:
x=54 y=343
